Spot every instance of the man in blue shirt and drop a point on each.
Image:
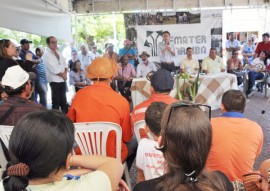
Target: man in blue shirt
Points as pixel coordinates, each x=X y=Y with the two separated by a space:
x=25 y=52
x=129 y=51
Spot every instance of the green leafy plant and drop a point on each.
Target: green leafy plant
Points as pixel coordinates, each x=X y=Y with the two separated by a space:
x=190 y=87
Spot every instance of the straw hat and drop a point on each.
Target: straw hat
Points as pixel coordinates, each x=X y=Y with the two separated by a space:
x=145 y=53
x=101 y=68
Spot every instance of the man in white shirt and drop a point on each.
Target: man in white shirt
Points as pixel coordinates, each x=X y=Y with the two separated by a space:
x=85 y=57
x=213 y=63
x=144 y=67
x=56 y=72
x=188 y=64
x=166 y=52
x=94 y=53
x=231 y=44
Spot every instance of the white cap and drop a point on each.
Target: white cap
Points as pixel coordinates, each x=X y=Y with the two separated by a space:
x=15 y=77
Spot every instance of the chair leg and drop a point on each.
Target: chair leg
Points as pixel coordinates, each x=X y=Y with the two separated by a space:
x=266 y=90
x=127 y=176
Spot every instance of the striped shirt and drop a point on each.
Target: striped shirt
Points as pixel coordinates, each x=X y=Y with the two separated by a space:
x=41 y=73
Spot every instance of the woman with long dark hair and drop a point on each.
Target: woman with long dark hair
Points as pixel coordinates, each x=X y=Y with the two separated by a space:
x=185 y=141
x=7 y=51
x=40 y=148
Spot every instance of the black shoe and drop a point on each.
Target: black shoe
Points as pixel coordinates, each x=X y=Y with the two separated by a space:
x=258 y=86
x=249 y=93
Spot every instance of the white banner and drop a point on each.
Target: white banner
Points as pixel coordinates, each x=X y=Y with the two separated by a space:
x=205 y=33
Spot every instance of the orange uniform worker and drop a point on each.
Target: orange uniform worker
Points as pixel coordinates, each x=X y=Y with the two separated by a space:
x=236 y=141
x=99 y=102
x=161 y=85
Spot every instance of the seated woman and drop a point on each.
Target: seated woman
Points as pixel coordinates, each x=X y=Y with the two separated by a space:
x=248 y=51
x=257 y=67
x=234 y=66
x=40 y=148
x=185 y=154
x=77 y=77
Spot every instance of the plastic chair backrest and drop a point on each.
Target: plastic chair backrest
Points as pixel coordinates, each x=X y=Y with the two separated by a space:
x=91 y=137
x=5 y=132
x=140 y=125
x=137 y=126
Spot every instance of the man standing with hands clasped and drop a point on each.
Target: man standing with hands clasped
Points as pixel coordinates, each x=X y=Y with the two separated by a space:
x=166 y=52
x=56 y=71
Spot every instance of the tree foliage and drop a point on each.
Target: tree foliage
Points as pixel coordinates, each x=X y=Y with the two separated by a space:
x=98 y=29
x=90 y=29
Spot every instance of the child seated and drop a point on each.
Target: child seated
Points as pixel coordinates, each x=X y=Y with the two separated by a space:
x=149 y=160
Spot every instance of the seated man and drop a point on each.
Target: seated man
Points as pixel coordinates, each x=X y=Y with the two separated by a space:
x=147 y=147
x=213 y=63
x=126 y=73
x=145 y=66
x=234 y=66
x=257 y=67
x=99 y=102
x=17 y=85
x=161 y=85
x=236 y=140
x=188 y=64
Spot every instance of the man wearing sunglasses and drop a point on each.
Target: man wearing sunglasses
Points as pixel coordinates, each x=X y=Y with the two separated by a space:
x=236 y=140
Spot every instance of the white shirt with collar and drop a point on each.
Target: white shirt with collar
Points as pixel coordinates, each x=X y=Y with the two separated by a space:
x=167 y=57
x=54 y=66
x=143 y=70
x=231 y=44
x=94 y=55
x=85 y=60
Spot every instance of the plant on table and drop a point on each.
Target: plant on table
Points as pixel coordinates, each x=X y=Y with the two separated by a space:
x=189 y=89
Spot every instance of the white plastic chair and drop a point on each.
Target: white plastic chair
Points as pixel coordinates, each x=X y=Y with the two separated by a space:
x=91 y=138
x=5 y=132
x=140 y=125
x=137 y=126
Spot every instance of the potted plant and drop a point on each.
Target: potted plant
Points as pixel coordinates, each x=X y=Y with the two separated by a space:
x=189 y=89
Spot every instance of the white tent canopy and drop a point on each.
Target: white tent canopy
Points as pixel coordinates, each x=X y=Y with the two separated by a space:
x=36 y=17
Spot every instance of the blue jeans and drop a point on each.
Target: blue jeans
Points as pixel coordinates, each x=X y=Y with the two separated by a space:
x=41 y=90
x=252 y=76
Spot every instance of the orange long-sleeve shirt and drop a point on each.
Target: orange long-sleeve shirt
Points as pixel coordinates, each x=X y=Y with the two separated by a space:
x=99 y=102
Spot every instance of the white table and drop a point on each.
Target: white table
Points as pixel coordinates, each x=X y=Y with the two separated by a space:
x=210 y=90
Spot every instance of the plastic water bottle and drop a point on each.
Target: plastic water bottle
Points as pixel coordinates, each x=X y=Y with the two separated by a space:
x=188 y=70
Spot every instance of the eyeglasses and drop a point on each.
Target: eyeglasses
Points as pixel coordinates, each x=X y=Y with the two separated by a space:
x=205 y=108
